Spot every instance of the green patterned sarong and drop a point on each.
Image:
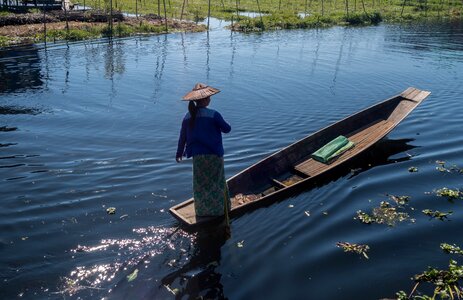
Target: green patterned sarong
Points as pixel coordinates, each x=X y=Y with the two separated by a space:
x=209 y=186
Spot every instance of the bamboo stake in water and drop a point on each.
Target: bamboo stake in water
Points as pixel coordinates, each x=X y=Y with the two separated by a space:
x=44 y=25
x=165 y=13
x=347 y=8
x=208 y=13
x=110 y=18
x=237 y=10
x=260 y=13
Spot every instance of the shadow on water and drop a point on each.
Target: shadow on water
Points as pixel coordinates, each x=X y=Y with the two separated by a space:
x=20 y=70
x=200 y=278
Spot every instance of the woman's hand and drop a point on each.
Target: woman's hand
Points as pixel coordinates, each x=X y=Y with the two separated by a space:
x=178 y=159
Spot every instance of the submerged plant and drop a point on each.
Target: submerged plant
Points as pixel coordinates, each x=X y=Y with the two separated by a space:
x=435 y=214
x=449 y=193
x=451 y=249
x=357 y=248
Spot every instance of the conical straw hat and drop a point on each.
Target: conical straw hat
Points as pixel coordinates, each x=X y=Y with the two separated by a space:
x=200 y=91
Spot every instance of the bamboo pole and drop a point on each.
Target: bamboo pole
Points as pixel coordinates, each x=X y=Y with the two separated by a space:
x=237 y=10
x=159 y=8
x=347 y=8
x=260 y=13
x=403 y=6
x=364 y=9
x=183 y=7
x=110 y=18
x=44 y=25
x=208 y=13
x=66 y=17
x=136 y=8
x=165 y=14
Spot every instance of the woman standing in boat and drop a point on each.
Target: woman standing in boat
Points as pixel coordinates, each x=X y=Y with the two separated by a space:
x=201 y=138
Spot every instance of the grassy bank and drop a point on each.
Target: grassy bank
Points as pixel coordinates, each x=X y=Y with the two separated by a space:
x=274 y=14
x=79 y=30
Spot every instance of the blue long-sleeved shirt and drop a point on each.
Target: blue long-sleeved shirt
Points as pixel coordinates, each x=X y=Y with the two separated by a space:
x=205 y=137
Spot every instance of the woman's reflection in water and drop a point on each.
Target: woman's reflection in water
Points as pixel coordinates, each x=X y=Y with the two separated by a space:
x=198 y=279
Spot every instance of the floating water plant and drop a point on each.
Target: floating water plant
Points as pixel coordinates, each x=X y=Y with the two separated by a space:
x=356 y=248
x=449 y=193
x=446 y=283
x=399 y=200
x=413 y=169
x=442 y=168
x=451 y=249
x=111 y=210
x=435 y=214
x=387 y=213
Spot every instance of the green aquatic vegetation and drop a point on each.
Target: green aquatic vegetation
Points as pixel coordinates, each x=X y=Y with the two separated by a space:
x=111 y=210
x=445 y=282
x=451 y=249
x=444 y=169
x=364 y=217
x=435 y=214
x=449 y=193
x=356 y=248
x=413 y=169
x=4 y=41
x=399 y=200
x=387 y=213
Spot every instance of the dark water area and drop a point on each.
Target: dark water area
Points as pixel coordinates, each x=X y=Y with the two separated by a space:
x=87 y=126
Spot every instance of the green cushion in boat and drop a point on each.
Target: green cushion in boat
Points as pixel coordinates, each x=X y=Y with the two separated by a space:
x=334 y=148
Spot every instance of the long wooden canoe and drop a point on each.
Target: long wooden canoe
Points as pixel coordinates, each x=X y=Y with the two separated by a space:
x=284 y=171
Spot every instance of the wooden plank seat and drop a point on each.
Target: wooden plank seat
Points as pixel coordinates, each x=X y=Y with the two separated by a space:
x=363 y=138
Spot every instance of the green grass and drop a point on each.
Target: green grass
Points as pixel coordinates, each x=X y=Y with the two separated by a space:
x=283 y=13
x=4 y=41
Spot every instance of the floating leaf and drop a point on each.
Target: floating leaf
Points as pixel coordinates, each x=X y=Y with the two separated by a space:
x=451 y=249
x=111 y=210
x=290 y=206
x=412 y=169
x=307 y=213
x=442 y=168
x=357 y=248
x=132 y=276
x=240 y=244
x=449 y=193
x=364 y=217
x=437 y=214
x=325 y=213
x=386 y=213
x=399 y=200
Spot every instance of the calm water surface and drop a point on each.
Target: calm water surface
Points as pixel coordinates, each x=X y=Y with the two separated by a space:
x=88 y=126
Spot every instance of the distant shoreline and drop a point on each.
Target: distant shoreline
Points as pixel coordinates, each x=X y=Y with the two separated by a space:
x=29 y=28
